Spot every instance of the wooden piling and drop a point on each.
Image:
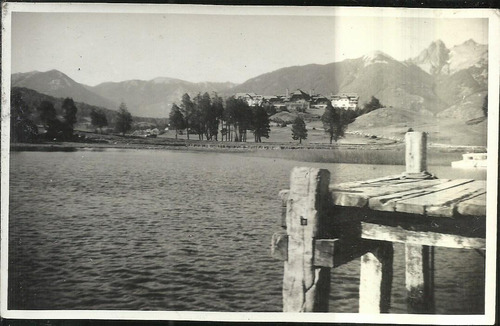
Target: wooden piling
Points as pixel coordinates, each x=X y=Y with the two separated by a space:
x=416 y=152
x=419 y=278
x=375 y=281
x=305 y=286
x=419 y=258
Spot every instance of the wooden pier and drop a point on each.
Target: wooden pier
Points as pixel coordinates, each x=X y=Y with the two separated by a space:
x=327 y=225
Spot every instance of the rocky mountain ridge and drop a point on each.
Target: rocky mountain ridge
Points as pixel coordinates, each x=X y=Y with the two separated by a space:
x=436 y=80
x=438 y=59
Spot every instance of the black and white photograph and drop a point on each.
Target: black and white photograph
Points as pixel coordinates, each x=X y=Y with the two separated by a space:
x=232 y=163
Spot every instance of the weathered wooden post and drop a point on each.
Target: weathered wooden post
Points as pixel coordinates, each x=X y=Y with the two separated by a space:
x=375 y=280
x=419 y=258
x=416 y=152
x=419 y=278
x=306 y=286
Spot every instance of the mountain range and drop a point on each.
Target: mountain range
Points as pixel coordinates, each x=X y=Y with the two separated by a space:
x=437 y=81
x=57 y=84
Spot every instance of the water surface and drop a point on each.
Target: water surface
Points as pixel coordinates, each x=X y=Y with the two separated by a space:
x=172 y=230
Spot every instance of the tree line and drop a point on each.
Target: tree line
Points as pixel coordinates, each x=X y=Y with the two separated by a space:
x=25 y=130
x=204 y=116
x=57 y=126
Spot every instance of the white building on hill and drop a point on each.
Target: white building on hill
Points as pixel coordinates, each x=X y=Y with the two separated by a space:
x=348 y=101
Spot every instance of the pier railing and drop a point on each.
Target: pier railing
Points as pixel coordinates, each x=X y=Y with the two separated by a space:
x=327 y=225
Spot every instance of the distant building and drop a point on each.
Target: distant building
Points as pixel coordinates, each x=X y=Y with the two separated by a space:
x=251 y=98
x=270 y=99
x=300 y=100
x=319 y=101
x=348 y=101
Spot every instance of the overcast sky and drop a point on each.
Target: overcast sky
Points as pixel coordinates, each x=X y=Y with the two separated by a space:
x=94 y=48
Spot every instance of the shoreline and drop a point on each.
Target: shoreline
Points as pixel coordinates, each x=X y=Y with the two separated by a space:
x=224 y=146
x=381 y=154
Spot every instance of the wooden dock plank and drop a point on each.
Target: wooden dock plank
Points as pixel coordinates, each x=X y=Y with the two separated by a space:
x=356 y=186
x=397 y=183
x=475 y=206
x=365 y=182
x=441 y=203
x=387 y=202
x=362 y=196
x=359 y=196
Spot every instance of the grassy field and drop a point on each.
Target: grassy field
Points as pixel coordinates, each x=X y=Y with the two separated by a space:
x=392 y=122
x=283 y=135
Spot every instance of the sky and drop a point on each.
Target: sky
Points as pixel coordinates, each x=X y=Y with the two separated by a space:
x=93 y=48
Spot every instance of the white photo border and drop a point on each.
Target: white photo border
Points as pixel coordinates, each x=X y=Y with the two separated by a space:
x=492 y=171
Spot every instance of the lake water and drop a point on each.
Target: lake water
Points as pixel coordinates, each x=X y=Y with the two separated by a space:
x=172 y=230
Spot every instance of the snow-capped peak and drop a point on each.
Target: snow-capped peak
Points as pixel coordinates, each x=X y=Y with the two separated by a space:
x=467 y=54
x=376 y=57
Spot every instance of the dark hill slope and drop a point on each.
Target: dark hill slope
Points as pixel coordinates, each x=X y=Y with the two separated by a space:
x=33 y=99
x=57 y=84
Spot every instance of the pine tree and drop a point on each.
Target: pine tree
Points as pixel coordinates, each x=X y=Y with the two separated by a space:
x=69 y=114
x=98 y=119
x=123 y=120
x=176 y=119
x=299 y=130
x=373 y=105
x=216 y=117
x=260 y=123
x=47 y=113
x=187 y=109
x=69 y=111
x=335 y=121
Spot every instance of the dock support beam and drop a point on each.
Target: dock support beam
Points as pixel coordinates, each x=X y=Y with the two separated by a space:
x=305 y=286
